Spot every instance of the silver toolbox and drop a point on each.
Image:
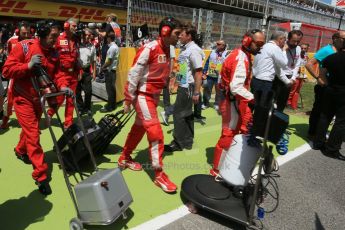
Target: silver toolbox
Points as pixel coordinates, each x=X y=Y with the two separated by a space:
x=102 y=197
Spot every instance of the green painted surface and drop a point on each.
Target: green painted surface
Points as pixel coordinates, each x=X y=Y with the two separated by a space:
x=22 y=207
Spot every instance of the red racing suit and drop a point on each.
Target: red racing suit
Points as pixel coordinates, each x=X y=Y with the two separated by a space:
x=146 y=79
x=67 y=75
x=11 y=43
x=26 y=100
x=235 y=81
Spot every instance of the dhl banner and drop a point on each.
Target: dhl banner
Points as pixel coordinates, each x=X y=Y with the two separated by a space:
x=58 y=11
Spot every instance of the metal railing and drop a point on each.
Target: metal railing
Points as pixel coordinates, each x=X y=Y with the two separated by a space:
x=215 y=25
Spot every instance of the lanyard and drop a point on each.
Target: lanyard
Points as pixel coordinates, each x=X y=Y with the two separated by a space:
x=293 y=57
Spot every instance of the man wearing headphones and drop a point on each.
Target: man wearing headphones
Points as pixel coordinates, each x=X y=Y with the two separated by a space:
x=146 y=79
x=234 y=94
x=24 y=33
x=69 y=68
x=19 y=67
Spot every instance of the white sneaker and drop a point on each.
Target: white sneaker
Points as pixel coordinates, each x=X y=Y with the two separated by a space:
x=165 y=118
x=216 y=107
x=203 y=107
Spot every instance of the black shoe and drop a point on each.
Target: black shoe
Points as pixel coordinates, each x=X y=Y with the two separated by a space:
x=44 y=187
x=23 y=157
x=172 y=147
x=200 y=119
x=318 y=145
x=1 y=114
x=336 y=154
x=106 y=109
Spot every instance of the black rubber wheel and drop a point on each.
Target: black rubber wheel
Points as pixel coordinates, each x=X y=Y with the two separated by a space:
x=75 y=224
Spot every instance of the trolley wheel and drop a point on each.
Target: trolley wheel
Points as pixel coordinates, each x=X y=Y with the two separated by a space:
x=75 y=224
x=192 y=208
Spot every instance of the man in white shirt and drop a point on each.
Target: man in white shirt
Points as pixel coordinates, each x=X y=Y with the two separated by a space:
x=268 y=64
x=87 y=58
x=291 y=71
x=189 y=77
x=109 y=67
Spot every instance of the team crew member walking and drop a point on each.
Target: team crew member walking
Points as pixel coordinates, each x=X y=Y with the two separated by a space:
x=24 y=33
x=19 y=67
x=189 y=78
x=235 y=96
x=69 y=68
x=146 y=79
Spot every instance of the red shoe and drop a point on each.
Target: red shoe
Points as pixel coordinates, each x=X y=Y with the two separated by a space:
x=128 y=162
x=162 y=181
x=214 y=172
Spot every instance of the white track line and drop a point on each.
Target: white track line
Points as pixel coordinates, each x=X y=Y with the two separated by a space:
x=165 y=219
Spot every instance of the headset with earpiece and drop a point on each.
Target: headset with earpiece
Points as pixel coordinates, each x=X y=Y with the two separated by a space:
x=43 y=27
x=66 y=26
x=167 y=26
x=247 y=38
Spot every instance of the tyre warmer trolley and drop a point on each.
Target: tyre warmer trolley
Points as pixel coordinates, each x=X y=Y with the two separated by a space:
x=99 y=198
x=238 y=203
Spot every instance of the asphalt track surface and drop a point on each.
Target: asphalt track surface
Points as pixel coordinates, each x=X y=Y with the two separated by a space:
x=311 y=190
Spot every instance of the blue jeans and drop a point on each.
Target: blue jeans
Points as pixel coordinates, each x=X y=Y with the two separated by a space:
x=211 y=81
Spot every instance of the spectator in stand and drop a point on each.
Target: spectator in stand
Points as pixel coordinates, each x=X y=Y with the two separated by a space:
x=268 y=64
x=302 y=76
x=211 y=72
x=291 y=70
x=23 y=33
x=319 y=56
x=109 y=67
x=88 y=65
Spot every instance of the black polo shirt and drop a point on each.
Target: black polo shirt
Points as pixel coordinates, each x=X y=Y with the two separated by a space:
x=335 y=65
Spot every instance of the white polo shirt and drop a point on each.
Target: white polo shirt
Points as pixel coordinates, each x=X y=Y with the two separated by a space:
x=191 y=58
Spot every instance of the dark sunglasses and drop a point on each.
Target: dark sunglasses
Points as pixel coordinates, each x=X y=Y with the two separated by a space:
x=259 y=43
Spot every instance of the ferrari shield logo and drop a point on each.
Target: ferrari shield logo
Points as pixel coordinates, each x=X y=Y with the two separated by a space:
x=63 y=42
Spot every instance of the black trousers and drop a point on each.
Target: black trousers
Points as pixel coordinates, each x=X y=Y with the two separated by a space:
x=110 y=80
x=166 y=97
x=316 y=110
x=197 y=108
x=333 y=104
x=85 y=84
x=281 y=93
x=260 y=85
x=183 y=118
